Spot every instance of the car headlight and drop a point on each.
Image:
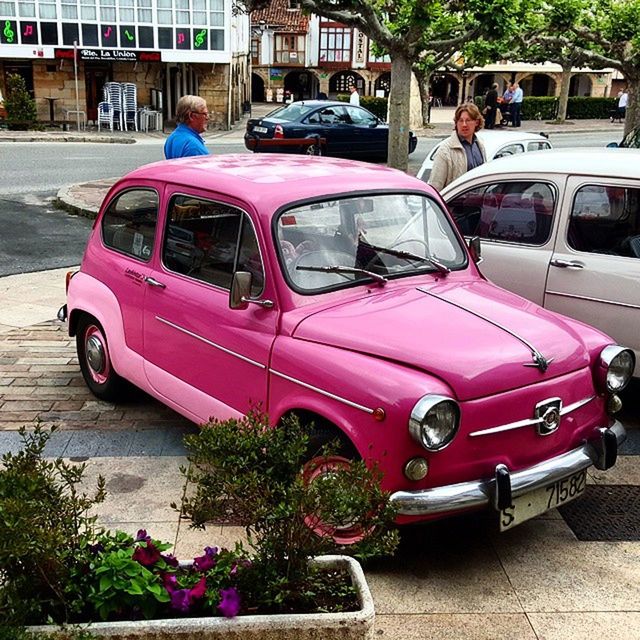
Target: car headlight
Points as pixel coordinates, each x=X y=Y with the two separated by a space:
x=615 y=368
x=434 y=421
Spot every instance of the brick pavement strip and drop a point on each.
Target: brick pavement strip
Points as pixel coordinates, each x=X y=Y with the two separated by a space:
x=40 y=380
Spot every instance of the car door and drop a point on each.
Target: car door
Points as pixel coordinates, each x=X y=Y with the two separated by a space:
x=594 y=274
x=199 y=353
x=516 y=221
x=369 y=138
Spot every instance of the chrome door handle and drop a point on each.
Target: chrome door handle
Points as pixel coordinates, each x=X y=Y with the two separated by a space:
x=154 y=283
x=566 y=264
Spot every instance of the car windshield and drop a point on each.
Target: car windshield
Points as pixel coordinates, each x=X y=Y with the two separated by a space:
x=291 y=113
x=326 y=245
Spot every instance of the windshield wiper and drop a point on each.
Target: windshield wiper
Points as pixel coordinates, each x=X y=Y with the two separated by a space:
x=407 y=255
x=342 y=270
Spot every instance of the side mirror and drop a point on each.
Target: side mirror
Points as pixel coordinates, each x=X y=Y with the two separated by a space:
x=240 y=290
x=240 y=294
x=475 y=249
x=613 y=144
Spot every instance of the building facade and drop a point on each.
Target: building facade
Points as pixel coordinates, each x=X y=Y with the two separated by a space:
x=297 y=55
x=66 y=50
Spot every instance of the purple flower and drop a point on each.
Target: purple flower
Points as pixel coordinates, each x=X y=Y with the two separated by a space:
x=146 y=555
x=207 y=561
x=229 y=602
x=96 y=548
x=170 y=559
x=142 y=536
x=183 y=599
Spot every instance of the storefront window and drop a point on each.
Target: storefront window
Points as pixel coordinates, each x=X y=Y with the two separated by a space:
x=27 y=9
x=48 y=10
x=335 y=44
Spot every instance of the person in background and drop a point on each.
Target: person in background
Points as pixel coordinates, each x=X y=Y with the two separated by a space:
x=623 y=100
x=460 y=152
x=516 y=105
x=192 y=117
x=505 y=106
x=354 y=98
x=491 y=106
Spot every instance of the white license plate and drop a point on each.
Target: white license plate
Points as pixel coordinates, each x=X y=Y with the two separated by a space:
x=540 y=500
x=260 y=129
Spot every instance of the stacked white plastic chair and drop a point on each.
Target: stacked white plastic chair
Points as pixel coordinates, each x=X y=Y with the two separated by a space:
x=113 y=95
x=105 y=114
x=130 y=105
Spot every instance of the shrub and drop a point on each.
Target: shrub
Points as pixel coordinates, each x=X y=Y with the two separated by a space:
x=19 y=105
x=581 y=108
x=45 y=530
x=540 y=108
x=251 y=471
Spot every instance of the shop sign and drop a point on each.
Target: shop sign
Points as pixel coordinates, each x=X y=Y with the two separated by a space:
x=110 y=55
x=360 y=47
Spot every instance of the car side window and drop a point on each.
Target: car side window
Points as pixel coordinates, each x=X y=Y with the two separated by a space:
x=361 y=117
x=129 y=223
x=209 y=241
x=606 y=219
x=538 y=145
x=519 y=212
x=509 y=150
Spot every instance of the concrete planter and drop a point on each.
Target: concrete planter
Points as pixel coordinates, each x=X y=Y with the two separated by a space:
x=356 y=625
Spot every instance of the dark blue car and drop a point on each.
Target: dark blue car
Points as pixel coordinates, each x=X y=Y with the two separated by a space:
x=327 y=128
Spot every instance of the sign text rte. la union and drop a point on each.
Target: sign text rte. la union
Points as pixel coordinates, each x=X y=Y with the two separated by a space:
x=113 y=55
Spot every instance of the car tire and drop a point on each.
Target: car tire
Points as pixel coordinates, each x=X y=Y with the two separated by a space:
x=319 y=465
x=95 y=360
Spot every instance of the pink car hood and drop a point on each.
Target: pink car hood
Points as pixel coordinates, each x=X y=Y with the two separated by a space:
x=476 y=337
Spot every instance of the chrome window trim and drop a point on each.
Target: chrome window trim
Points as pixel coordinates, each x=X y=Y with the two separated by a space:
x=615 y=303
x=243 y=214
x=328 y=394
x=529 y=421
x=211 y=344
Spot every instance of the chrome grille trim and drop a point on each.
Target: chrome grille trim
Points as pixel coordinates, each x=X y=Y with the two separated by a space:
x=529 y=421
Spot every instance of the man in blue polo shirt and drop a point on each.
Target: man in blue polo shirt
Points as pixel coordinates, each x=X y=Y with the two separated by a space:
x=192 y=117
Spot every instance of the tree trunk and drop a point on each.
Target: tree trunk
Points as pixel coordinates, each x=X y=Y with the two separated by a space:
x=565 y=81
x=632 y=117
x=399 y=99
x=424 y=80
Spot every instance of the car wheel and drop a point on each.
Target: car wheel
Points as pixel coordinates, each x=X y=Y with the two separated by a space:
x=319 y=467
x=95 y=360
x=313 y=150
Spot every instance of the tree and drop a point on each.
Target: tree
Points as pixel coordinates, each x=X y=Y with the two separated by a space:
x=605 y=33
x=408 y=29
x=20 y=106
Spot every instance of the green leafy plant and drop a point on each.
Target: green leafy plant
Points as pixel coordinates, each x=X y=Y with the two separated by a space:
x=256 y=474
x=19 y=104
x=45 y=528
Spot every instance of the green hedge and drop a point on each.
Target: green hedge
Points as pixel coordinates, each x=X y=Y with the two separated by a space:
x=377 y=106
x=583 y=108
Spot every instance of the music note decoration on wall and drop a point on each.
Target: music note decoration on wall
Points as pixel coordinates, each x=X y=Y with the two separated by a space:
x=8 y=32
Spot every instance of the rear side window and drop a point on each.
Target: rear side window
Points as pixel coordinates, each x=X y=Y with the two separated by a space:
x=129 y=224
x=510 y=150
x=520 y=212
x=606 y=219
x=538 y=145
x=209 y=241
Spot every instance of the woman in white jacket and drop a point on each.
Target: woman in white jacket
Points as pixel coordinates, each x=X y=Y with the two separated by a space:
x=460 y=152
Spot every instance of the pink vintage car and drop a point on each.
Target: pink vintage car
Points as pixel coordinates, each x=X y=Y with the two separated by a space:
x=342 y=292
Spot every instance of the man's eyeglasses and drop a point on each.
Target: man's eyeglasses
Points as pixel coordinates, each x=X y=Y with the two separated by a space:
x=201 y=113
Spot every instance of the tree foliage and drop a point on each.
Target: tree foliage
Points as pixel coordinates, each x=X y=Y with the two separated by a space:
x=604 y=33
x=412 y=31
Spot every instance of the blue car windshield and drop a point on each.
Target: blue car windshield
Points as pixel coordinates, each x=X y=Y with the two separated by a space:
x=291 y=113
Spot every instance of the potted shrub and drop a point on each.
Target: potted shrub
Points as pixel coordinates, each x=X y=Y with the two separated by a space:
x=57 y=566
x=19 y=105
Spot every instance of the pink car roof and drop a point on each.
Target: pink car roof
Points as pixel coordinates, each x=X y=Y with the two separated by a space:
x=270 y=181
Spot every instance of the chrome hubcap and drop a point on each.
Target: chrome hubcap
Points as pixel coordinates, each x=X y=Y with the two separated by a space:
x=95 y=354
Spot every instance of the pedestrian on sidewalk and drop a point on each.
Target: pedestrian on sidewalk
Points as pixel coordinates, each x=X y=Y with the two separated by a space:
x=516 y=105
x=462 y=151
x=623 y=100
x=354 y=98
x=490 y=106
x=192 y=117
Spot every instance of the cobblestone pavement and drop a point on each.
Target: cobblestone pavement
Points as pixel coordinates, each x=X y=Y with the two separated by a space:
x=40 y=380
